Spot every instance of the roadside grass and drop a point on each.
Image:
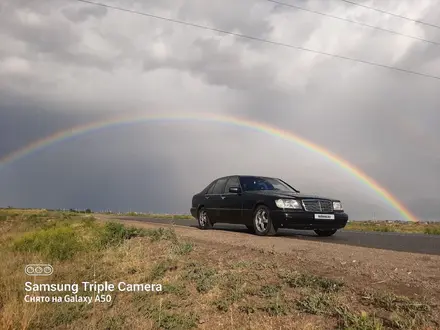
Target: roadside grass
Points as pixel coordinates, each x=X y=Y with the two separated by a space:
x=405 y=313
x=59 y=243
x=296 y=279
x=158 y=215
x=358 y=321
x=317 y=303
x=203 y=277
x=431 y=228
x=203 y=285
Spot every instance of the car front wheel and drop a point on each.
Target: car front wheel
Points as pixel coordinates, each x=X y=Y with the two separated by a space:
x=203 y=219
x=263 y=224
x=325 y=233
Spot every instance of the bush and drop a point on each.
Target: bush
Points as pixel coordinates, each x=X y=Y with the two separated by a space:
x=432 y=231
x=114 y=233
x=59 y=243
x=161 y=234
x=182 y=248
x=33 y=220
x=88 y=221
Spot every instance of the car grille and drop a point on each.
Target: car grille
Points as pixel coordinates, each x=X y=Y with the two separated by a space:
x=316 y=205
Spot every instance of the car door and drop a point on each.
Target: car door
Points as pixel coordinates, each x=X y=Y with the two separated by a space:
x=208 y=200
x=214 y=200
x=231 y=203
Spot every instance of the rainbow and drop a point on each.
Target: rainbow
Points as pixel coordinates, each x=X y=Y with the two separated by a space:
x=244 y=123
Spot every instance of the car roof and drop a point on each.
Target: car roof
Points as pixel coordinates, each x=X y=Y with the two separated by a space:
x=246 y=176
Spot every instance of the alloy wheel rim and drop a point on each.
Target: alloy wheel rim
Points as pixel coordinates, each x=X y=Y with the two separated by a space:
x=203 y=218
x=261 y=220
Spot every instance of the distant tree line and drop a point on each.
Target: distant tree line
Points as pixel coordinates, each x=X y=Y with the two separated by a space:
x=80 y=211
x=72 y=210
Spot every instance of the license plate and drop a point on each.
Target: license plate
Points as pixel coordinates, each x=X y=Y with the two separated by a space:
x=325 y=216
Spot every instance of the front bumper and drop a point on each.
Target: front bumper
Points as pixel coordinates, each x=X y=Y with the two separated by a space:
x=306 y=220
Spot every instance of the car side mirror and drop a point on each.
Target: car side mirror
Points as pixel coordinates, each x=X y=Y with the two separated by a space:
x=235 y=190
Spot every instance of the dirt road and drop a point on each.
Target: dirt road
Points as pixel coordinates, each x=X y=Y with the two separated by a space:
x=407 y=273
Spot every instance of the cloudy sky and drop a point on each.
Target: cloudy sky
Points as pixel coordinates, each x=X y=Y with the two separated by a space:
x=64 y=63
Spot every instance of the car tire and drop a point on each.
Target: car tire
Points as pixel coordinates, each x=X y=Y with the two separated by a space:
x=325 y=233
x=203 y=219
x=263 y=225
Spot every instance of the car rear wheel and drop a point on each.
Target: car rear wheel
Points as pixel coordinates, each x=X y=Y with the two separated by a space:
x=263 y=224
x=203 y=219
x=324 y=233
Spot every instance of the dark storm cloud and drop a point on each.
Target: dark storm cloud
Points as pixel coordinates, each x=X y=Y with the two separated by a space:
x=426 y=207
x=76 y=175
x=26 y=120
x=64 y=63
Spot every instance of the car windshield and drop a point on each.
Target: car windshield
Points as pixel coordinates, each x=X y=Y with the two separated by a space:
x=257 y=183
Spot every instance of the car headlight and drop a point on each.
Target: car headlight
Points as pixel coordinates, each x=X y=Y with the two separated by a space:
x=288 y=204
x=337 y=206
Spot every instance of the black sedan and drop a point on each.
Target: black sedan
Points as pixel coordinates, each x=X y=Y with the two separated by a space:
x=265 y=204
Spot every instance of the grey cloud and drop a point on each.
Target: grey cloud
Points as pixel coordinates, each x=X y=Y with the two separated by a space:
x=34 y=25
x=423 y=58
x=229 y=15
x=80 y=15
x=222 y=68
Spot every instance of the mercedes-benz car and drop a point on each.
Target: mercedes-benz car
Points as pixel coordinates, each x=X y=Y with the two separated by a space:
x=264 y=205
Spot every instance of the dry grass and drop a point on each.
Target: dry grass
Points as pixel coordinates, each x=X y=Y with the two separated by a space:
x=205 y=285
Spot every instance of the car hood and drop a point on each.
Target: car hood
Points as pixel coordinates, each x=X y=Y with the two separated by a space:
x=287 y=194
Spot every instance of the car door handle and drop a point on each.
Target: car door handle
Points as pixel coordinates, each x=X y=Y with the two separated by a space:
x=223 y=197
x=206 y=197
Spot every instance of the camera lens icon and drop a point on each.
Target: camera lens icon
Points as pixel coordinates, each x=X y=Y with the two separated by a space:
x=29 y=270
x=38 y=270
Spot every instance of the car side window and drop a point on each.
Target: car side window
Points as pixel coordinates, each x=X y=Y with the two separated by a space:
x=232 y=182
x=220 y=186
x=211 y=188
x=247 y=183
